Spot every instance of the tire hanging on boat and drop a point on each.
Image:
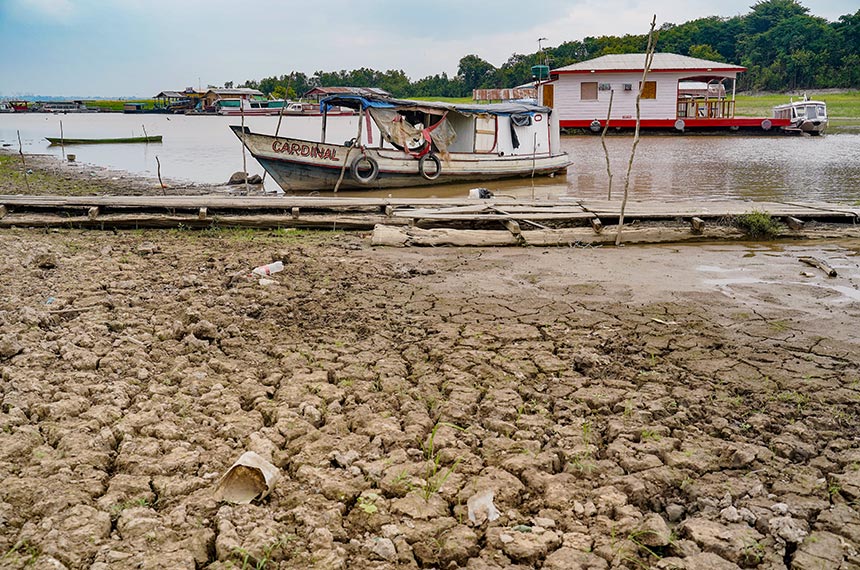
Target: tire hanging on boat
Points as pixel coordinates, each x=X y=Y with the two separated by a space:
x=356 y=168
x=423 y=171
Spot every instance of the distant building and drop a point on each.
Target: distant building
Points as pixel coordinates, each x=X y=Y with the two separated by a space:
x=186 y=99
x=318 y=93
x=580 y=93
x=241 y=93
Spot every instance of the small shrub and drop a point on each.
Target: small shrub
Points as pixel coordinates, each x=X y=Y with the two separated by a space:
x=757 y=225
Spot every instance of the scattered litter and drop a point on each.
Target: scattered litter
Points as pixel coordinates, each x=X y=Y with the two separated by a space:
x=266 y=282
x=29 y=172
x=806 y=274
x=269 y=269
x=250 y=478
x=662 y=322
x=50 y=300
x=481 y=193
x=481 y=507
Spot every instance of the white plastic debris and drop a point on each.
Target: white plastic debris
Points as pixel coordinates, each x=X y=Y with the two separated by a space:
x=250 y=478
x=481 y=507
x=269 y=268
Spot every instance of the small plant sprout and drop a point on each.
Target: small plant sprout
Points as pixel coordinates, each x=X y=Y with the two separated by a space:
x=435 y=477
x=367 y=503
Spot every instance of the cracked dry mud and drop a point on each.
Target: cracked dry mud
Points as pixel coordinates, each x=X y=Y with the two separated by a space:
x=621 y=418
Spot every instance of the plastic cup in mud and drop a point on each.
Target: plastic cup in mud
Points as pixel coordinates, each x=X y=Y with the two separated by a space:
x=269 y=269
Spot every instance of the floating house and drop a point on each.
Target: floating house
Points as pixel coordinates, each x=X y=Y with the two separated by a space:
x=178 y=100
x=680 y=93
x=238 y=93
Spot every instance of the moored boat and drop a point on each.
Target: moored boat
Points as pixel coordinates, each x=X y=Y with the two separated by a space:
x=806 y=116
x=64 y=141
x=401 y=143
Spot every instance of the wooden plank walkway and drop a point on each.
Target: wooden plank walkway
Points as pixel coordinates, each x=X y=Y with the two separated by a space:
x=358 y=213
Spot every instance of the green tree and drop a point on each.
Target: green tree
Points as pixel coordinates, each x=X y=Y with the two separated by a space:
x=475 y=72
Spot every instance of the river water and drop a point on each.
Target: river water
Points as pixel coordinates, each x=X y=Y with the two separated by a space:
x=202 y=149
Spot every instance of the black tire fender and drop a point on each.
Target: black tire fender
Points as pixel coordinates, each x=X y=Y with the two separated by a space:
x=423 y=171
x=356 y=168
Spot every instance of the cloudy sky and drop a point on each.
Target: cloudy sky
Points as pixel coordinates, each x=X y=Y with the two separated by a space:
x=140 y=47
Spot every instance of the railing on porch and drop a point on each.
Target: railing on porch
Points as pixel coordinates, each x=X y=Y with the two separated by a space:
x=706 y=108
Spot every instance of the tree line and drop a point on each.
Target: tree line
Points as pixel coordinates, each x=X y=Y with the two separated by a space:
x=781 y=44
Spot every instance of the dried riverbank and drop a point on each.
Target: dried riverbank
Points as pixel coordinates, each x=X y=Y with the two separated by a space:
x=688 y=407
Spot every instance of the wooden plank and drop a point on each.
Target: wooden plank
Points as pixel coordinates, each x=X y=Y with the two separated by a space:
x=93 y=212
x=146 y=220
x=596 y=225
x=492 y=217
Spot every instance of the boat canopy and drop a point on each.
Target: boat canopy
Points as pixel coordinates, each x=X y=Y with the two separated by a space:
x=433 y=107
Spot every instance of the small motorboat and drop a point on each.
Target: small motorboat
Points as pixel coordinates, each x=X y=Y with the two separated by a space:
x=806 y=116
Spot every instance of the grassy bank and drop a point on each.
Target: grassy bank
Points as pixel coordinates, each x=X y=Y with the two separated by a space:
x=117 y=105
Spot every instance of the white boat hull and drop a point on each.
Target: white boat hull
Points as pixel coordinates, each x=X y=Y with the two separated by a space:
x=298 y=165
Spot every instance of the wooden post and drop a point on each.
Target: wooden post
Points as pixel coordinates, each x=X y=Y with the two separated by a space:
x=649 y=58
x=158 y=162
x=697 y=225
x=3 y=211
x=794 y=223
x=244 y=159
x=62 y=140
x=294 y=212
x=201 y=213
x=605 y=150
x=23 y=163
x=596 y=224
x=93 y=212
x=389 y=211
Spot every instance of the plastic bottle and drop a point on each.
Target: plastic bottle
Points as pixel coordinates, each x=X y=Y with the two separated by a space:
x=269 y=269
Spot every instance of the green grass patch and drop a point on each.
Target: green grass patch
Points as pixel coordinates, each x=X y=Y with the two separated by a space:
x=843 y=109
x=757 y=225
x=117 y=104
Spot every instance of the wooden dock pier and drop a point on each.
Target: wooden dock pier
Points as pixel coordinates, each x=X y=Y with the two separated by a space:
x=517 y=221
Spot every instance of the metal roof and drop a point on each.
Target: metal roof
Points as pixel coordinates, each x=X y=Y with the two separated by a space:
x=636 y=62
x=347 y=90
x=236 y=91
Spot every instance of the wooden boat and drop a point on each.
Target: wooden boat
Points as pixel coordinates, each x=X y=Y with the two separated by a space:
x=394 y=149
x=152 y=139
x=806 y=116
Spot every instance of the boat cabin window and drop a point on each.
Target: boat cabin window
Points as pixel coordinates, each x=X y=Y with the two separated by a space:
x=588 y=91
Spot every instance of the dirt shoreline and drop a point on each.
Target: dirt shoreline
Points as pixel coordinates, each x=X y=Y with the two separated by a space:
x=689 y=407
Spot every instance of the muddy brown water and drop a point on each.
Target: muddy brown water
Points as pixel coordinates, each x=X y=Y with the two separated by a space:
x=202 y=149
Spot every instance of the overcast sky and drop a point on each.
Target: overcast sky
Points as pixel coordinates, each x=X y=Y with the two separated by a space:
x=140 y=47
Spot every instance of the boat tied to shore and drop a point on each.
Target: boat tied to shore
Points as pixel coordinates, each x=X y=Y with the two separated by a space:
x=806 y=116
x=402 y=143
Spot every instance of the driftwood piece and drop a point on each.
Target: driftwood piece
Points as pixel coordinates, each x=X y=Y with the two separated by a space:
x=93 y=212
x=596 y=224
x=3 y=211
x=384 y=235
x=794 y=223
x=820 y=264
x=201 y=213
x=697 y=225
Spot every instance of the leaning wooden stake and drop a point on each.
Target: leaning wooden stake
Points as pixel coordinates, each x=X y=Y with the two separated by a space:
x=603 y=142
x=62 y=141
x=244 y=159
x=158 y=162
x=23 y=163
x=649 y=57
